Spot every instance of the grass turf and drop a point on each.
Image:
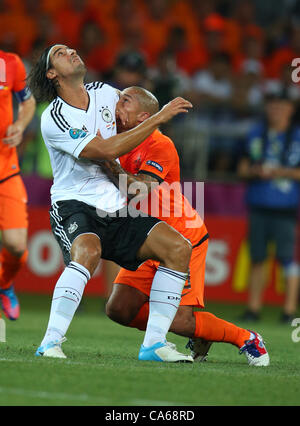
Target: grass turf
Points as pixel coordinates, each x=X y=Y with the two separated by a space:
x=102 y=367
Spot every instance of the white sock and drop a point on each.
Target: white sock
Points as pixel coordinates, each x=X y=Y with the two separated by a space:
x=165 y=296
x=65 y=301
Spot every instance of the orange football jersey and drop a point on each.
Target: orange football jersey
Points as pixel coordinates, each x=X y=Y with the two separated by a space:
x=158 y=157
x=12 y=80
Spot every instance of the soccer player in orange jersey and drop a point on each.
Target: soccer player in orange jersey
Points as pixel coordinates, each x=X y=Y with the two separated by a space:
x=13 y=197
x=156 y=161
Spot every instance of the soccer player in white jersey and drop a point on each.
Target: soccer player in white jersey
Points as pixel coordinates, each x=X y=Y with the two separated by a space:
x=89 y=215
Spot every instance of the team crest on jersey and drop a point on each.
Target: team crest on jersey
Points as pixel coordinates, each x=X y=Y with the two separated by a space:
x=106 y=115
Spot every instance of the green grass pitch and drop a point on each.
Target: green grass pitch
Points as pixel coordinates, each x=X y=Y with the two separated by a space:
x=102 y=368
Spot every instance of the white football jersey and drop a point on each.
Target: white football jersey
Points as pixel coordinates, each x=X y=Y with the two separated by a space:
x=66 y=130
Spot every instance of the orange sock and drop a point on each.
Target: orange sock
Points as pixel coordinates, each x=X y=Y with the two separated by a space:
x=140 y=321
x=209 y=327
x=10 y=266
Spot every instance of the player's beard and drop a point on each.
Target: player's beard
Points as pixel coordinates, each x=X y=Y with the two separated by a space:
x=80 y=70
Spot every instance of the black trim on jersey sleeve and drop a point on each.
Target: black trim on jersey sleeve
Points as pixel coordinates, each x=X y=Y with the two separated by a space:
x=58 y=118
x=206 y=237
x=9 y=177
x=145 y=172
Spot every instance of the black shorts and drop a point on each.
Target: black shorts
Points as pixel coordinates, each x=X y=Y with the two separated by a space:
x=266 y=225
x=121 y=237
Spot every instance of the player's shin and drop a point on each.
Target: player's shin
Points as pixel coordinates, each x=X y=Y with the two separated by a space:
x=10 y=266
x=164 y=301
x=66 y=299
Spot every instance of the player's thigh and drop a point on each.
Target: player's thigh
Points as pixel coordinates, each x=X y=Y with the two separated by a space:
x=14 y=215
x=166 y=245
x=78 y=235
x=13 y=204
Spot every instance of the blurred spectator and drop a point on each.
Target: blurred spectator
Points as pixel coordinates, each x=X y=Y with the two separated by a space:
x=242 y=24
x=129 y=70
x=271 y=165
x=284 y=55
x=20 y=24
x=129 y=22
x=93 y=48
x=247 y=95
x=214 y=32
x=156 y=25
x=69 y=20
x=251 y=52
x=187 y=57
x=212 y=86
x=168 y=81
x=160 y=17
x=284 y=82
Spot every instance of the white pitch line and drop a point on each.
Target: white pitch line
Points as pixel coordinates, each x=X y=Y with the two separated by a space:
x=81 y=398
x=38 y=359
x=52 y=395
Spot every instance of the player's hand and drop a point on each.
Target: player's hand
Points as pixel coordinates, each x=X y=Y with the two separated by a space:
x=109 y=165
x=14 y=135
x=174 y=107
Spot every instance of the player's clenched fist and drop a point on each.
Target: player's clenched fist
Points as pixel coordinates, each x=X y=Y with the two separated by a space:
x=174 y=107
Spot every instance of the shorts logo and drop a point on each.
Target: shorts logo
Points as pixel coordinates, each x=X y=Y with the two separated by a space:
x=154 y=164
x=77 y=133
x=72 y=228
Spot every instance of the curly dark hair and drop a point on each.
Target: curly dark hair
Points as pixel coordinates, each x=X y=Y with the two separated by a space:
x=42 y=88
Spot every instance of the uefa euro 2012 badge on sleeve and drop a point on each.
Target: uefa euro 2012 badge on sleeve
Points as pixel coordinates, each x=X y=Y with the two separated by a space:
x=77 y=133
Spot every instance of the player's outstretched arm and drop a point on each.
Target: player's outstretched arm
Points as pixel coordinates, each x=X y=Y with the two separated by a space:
x=115 y=146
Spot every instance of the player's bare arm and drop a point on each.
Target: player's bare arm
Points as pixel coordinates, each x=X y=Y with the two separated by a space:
x=15 y=131
x=113 y=170
x=118 y=145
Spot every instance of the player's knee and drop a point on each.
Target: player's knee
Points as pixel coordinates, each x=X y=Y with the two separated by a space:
x=178 y=257
x=87 y=252
x=16 y=248
x=90 y=253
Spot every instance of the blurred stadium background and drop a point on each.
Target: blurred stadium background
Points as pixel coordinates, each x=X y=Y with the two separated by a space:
x=220 y=54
